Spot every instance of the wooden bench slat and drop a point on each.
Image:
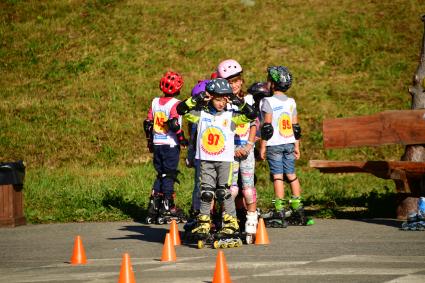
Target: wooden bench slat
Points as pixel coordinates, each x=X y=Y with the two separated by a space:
x=388 y=127
x=382 y=169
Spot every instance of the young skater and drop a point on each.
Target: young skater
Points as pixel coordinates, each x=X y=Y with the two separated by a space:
x=215 y=150
x=162 y=128
x=280 y=133
x=244 y=162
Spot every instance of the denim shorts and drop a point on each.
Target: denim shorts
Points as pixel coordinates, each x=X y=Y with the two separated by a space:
x=281 y=158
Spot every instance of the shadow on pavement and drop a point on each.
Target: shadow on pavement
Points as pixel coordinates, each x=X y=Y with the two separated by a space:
x=144 y=233
x=382 y=221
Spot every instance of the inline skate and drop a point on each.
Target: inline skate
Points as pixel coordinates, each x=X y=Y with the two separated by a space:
x=153 y=209
x=228 y=236
x=199 y=231
x=250 y=224
x=296 y=215
x=415 y=222
x=169 y=212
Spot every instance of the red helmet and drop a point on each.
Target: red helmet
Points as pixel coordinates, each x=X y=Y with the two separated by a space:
x=171 y=83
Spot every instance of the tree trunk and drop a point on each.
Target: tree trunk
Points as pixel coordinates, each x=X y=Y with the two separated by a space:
x=408 y=202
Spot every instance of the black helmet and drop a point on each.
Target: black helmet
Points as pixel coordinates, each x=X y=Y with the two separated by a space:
x=219 y=86
x=259 y=89
x=280 y=76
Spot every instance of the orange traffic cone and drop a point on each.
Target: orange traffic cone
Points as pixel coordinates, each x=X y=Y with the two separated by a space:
x=78 y=255
x=261 y=238
x=174 y=233
x=221 y=274
x=168 y=251
x=126 y=273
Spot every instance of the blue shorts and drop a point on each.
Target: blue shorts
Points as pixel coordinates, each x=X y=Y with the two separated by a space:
x=281 y=158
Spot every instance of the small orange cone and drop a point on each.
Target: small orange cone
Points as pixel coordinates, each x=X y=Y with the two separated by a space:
x=221 y=274
x=261 y=238
x=168 y=251
x=126 y=273
x=78 y=255
x=174 y=233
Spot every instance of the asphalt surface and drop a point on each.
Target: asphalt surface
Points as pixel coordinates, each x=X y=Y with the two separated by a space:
x=371 y=250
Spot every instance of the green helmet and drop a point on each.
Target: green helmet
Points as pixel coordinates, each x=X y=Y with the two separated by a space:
x=280 y=76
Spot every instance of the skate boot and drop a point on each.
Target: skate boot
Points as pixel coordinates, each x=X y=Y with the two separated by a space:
x=297 y=216
x=201 y=233
x=251 y=226
x=192 y=220
x=276 y=218
x=153 y=209
x=415 y=222
x=169 y=212
x=228 y=236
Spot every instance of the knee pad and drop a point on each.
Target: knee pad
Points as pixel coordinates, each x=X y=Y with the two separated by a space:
x=289 y=181
x=272 y=178
x=250 y=195
x=207 y=194
x=171 y=175
x=222 y=193
x=234 y=190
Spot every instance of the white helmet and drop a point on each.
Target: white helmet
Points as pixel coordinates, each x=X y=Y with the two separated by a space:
x=228 y=69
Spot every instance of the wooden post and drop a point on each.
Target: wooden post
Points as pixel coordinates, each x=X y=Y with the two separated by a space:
x=11 y=206
x=12 y=176
x=408 y=202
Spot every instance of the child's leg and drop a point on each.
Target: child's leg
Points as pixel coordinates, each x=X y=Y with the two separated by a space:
x=223 y=195
x=207 y=192
x=170 y=162
x=234 y=188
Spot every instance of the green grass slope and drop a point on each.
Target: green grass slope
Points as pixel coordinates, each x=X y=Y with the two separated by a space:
x=77 y=77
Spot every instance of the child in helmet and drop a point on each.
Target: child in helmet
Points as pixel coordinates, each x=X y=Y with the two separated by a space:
x=244 y=162
x=215 y=149
x=280 y=134
x=163 y=129
x=191 y=161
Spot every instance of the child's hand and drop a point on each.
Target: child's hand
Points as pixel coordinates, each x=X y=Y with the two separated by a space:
x=297 y=153
x=262 y=152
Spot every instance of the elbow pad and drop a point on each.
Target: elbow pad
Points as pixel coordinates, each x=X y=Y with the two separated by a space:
x=249 y=111
x=297 y=131
x=266 y=131
x=173 y=125
x=182 y=108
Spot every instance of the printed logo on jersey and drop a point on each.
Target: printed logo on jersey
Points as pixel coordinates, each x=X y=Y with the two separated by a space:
x=212 y=141
x=159 y=125
x=242 y=130
x=285 y=125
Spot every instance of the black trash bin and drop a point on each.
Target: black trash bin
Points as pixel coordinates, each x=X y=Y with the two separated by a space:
x=12 y=175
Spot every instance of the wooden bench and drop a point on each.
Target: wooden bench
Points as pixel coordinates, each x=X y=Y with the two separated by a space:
x=405 y=127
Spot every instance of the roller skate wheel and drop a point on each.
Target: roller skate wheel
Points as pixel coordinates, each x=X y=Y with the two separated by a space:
x=201 y=244
x=231 y=244
x=216 y=245
x=148 y=220
x=161 y=221
x=223 y=246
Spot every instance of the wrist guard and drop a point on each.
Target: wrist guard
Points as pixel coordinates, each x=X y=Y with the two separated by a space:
x=173 y=125
x=181 y=139
x=182 y=108
x=235 y=100
x=249 y=111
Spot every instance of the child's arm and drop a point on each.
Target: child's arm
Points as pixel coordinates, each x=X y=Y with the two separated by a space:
x=186 y=107
x=297 y=133
x=248 y=113
x=266 y=134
